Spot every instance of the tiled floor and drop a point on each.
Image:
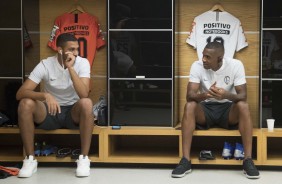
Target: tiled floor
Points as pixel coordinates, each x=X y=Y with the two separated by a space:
x=65 y=175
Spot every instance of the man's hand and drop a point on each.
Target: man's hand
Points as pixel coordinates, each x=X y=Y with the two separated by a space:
x=70 y=59
x=216 y=92
x=53 y=106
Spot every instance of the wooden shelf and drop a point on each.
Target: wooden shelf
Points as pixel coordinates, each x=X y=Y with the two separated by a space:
x=133 y=144
x=218 y=159
x=53 y=158
x=144 y=156
x=15 y=130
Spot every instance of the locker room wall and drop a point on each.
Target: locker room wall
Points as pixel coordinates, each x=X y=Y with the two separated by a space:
x=247 y=11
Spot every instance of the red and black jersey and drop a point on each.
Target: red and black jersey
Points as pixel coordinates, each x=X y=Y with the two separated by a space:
x=86 y=29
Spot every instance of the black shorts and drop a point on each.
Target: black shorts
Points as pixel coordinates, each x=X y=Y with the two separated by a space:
x=217 y=115
x=62 y=120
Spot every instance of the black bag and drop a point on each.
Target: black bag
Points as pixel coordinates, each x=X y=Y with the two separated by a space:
x=3 y=119
x=102 y=116
x=100 y=111
x=11 y=102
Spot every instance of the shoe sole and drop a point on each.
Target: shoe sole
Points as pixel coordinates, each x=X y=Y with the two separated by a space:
x=227 y=158
x=251 y=177
x=181 y=175
x=205 y=158
x=27 y=176
x=79 y=175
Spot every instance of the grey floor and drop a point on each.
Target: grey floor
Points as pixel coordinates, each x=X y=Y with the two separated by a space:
x=65 y=175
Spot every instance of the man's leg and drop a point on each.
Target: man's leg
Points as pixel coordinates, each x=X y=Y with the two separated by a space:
x=192 y=112
x=82 y=113
x=29 y=111
x=241 y=112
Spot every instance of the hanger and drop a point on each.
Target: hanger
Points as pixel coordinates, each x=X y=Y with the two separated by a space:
x=217 y=7
x=76 y=8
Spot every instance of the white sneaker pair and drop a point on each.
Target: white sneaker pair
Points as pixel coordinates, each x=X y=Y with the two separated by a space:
x=30 y=166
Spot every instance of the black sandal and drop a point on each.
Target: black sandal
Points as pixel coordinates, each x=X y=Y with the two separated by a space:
x=63 y=152
x=75 y=153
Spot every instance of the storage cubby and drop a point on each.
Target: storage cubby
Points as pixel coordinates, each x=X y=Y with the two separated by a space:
x=142 y=145
x=272 y=153
x=59 y=140
x=10 y=147
x=213 y=140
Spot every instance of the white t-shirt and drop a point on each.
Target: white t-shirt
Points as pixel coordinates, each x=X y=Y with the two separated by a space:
x=57 y=80
x=217 y=26
x=230 y=74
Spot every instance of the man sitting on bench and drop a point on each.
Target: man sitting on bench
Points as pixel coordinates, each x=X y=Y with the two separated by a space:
x=64 y=102
x=216 y=95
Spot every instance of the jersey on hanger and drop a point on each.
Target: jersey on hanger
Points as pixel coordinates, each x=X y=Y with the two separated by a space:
x=217 y=26
x=86 y=29
x=269 y=44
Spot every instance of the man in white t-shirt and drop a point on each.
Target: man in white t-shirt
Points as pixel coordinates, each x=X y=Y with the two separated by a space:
x=216 y=96
x=64 y=102
x=217 y=26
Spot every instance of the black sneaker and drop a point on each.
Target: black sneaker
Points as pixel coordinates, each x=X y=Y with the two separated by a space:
x=250 y=169
x=183 y=168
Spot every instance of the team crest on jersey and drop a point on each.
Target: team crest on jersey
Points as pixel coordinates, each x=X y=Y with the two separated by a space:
x=226 y=80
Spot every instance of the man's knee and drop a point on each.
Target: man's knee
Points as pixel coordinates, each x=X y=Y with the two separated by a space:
x=26 y=104
x=86 y=104
x=243 y=107
x=190 y=106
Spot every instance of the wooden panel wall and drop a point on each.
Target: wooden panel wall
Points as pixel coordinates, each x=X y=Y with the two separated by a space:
x=248 y=12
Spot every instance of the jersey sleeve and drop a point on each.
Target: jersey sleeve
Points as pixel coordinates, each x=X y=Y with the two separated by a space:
x=191 y=40
x=38 y=73
x=239 y=77
x=100 y=41
x=275 y=46
x=242 y=40
x=54 y=34
x=195 y=73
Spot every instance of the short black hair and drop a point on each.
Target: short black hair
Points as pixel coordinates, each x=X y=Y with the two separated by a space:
x=63 y=38
x=215 y=45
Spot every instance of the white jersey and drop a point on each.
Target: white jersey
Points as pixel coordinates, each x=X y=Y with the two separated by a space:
x=217 y=26
x=268 y=46
x=230 y=74
x=57 y=80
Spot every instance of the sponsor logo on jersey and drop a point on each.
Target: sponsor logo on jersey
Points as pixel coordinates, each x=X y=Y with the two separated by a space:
x=217 y=25
x=76 y=27
x=216 y=28
x=216 y=31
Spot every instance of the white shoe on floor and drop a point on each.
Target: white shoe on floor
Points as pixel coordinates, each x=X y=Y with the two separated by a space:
x=83 y=166
x=29 y=167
